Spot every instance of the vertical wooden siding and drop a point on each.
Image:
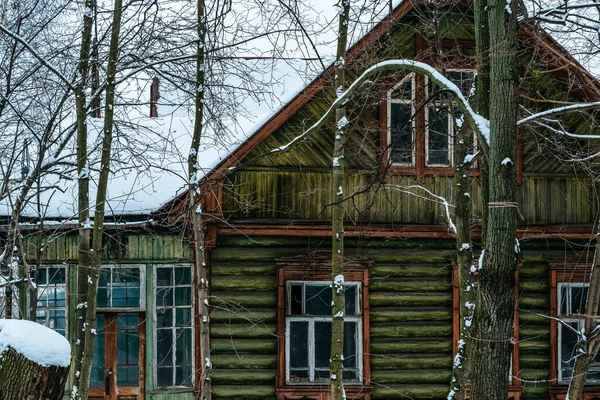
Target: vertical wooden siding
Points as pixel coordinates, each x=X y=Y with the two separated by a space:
x=305 y=195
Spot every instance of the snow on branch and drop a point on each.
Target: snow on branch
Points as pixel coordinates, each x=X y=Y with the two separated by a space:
x=433 y=197
x=37 y=55
x=478 y=123
x=562 y=110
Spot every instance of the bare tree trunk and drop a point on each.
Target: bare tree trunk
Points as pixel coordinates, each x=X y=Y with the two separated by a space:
x=195 y=212
x=23 y=379
x=464 y=263
x=338 y=213
x=83 y=255
x=589 y=343
x=89 y=329
x=494 y=311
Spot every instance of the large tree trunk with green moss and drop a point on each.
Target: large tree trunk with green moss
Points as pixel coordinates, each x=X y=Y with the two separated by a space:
x=89 y=327
x=338 y=214
x=494 y=310
x=23 y=379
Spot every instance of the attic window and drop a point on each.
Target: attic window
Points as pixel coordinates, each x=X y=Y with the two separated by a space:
x=421 y=122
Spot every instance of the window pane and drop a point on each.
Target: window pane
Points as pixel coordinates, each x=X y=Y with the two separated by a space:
x=183 y=347
x=57 y=275
x=578 y=299
x=183 y=276
x=97 y=379
x=350 y=339
x=437 y=138
x=183 y=376
x=401 y=133
x=403 y=91
x=562 y=307
x=164 y=276
x=183 y=296
x=164 y=297
x=463 y=79
x=351 y=299
x=164 y=318
x=184 y=316
x=296 y=300
x=322 y=344
x=298 y=344
x=164 y=376
x=318 y=300
x=164 y=347
x=567 y=349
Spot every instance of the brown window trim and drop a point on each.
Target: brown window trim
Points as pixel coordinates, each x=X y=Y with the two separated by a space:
x=564 y=272
x=516 y=388
x=317 y=267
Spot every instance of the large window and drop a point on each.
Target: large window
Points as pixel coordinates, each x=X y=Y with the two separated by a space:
x=421 y=120
x=174 y=334
x=571 y=310
x=308 y=332
x=52 y=296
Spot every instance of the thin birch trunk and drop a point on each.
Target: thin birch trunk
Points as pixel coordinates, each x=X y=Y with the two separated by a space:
x=83 y=254
x=195 y=212
x=494 y=310
x=589 y=342
x=96 y=253
x=338 y=213
x=464 y=263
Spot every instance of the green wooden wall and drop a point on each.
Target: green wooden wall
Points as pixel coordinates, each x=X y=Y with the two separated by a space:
x=268 y=194
x=411 y=315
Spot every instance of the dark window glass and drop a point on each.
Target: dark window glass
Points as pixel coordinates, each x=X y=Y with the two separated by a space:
x=318 y=300
x=437 y=137
x=298 y=345
x=401 y=132
x=296 y=300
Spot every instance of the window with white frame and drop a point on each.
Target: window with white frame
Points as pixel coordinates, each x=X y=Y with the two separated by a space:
x=51 y=309
x=400 y=122
x=440 y=116
x=174 y=363
x=308 y=332
x=571 y=309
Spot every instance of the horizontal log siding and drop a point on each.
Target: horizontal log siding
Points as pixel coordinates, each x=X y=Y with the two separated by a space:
x=305 y=195
x=244 y=317
x=411 y=315
x=123 y=248
x=534 y=329
x=411 y=323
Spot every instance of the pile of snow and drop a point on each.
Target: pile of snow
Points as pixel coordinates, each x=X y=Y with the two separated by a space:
x=37 y=343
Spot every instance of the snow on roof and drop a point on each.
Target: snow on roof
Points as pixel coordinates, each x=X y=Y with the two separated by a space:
x=36 y=342
x=149 y=157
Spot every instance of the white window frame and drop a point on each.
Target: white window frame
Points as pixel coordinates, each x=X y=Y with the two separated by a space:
x=568 y=319
x=450 y=123
x=42 y=287
x=311 y=324
x=154 y=321
x=411 y=76
x=142 y=269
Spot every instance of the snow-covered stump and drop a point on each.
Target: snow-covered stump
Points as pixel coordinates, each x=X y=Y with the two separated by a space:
x=34 y=361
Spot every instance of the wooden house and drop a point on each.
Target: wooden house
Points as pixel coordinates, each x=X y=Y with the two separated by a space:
x=268 y=240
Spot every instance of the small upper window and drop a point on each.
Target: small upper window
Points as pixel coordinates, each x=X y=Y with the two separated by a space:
x=121 y=287
x=308 y=332
x=440 y=115
x=571 y=309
